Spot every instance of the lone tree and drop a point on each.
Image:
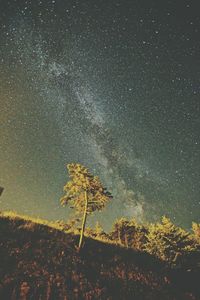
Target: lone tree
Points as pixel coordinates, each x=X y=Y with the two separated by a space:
x=85 y=193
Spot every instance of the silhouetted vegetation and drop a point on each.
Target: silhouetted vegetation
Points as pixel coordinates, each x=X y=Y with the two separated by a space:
x=39 y=261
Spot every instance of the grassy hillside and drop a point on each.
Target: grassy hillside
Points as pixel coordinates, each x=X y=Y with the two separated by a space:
x=40 y=261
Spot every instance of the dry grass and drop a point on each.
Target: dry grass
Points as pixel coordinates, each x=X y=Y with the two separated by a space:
x=40 y=261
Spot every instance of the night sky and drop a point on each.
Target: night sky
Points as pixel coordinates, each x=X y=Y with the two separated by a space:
x=113 y=85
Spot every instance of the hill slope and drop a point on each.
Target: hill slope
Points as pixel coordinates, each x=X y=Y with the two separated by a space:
x=39 y=261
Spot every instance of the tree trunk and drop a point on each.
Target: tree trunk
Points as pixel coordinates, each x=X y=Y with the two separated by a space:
x=126 y=240
x=119 y=236
x=83 y=222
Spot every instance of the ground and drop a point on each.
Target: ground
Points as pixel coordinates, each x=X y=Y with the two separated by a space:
x=40 y=261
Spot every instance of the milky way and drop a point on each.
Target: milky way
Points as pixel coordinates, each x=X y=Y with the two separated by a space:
x=112 y=86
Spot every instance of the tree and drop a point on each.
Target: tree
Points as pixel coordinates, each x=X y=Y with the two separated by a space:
x=98 y=229
x=119 y=231
x=167 y=241
x=196 y=231
x=129 y=233
x=85 y=193
x=137 y=235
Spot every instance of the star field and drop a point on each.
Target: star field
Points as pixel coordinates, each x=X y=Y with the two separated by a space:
x=112 y=85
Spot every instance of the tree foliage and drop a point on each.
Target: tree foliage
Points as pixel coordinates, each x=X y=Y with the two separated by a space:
x=84 y=192
x=83 y=181
x=167 y=241
x=196 y=231
x=129 y=233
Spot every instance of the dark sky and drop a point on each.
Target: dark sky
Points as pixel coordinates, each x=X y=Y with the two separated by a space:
x=114 y=85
